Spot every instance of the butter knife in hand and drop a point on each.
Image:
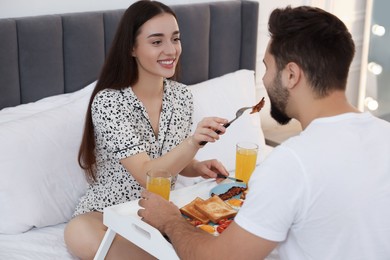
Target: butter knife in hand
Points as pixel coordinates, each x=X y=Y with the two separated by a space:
x=227 y=177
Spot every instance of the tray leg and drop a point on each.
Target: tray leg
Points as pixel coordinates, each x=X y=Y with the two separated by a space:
x=105 y=244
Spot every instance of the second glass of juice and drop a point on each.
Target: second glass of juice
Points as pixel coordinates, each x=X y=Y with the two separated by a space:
x=159 y=181
x=246 y=157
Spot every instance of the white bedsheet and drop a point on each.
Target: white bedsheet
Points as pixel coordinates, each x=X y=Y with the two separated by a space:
x=48 y=243
x=42 y=243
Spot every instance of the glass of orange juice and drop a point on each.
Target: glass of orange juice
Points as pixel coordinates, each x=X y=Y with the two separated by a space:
x=159 y=181
x=246 y=157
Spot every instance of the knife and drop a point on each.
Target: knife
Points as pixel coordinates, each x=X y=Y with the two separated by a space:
x=227 y=177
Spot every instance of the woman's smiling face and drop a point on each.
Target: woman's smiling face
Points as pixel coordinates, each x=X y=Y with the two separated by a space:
x=158 y=47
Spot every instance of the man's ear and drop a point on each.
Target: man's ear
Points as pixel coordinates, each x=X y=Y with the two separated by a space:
x=293 y=74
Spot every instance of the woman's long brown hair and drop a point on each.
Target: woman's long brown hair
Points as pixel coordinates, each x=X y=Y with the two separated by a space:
x=119 y=71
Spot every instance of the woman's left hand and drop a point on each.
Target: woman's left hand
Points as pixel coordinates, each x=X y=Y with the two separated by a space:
x=210 y=169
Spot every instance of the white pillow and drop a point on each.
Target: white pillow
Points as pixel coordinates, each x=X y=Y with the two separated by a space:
x=41 y=180
x=24 y=110
x=222 y=97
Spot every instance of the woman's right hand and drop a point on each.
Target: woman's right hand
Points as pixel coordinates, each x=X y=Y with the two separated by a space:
x=206 y=130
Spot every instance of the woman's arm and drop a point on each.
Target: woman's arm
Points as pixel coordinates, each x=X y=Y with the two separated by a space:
x=181 y=156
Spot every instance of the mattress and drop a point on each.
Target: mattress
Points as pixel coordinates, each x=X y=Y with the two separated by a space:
x=42 y=243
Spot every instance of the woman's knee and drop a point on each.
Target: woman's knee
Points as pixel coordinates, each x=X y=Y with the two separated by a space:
x=83 y=234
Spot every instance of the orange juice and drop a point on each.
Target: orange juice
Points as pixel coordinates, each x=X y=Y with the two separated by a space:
x=159 y=181
x=159 y=185
x=245 y=162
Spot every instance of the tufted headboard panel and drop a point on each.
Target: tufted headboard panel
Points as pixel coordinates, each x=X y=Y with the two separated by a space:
x=48 y=55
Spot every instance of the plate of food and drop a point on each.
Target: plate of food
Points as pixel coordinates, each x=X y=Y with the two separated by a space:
x=231 y=193
x=228 y=189
x=214 y=214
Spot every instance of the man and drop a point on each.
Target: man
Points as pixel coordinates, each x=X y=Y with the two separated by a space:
x=324 y=194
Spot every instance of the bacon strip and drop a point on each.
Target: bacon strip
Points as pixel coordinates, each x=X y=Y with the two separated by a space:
x=233 y=191
x=258 y=107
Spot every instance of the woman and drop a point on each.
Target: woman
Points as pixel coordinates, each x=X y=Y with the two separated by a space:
x=137 y=120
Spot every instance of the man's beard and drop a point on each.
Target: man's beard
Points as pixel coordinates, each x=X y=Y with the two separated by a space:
x=279 y=97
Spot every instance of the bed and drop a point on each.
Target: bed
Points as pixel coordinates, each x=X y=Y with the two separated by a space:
x=48 y=67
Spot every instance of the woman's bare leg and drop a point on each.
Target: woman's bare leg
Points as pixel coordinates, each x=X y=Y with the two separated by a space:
x=84 y=233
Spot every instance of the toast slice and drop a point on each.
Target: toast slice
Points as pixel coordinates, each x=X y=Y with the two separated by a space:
x=215 y=209
x=190 y=211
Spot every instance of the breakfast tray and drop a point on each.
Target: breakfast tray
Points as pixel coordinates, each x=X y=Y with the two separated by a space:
x=122 y=219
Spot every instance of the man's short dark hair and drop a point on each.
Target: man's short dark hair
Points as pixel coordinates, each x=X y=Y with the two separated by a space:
x=317 y=41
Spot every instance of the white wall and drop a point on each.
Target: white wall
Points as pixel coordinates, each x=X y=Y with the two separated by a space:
x=352 y=12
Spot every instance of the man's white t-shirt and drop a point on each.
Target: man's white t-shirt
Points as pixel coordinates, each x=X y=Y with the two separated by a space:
x=325 y=194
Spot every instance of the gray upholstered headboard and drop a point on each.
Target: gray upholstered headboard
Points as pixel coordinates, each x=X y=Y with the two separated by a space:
x=53 y=54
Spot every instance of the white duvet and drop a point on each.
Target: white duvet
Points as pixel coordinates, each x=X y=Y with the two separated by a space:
x=43 y=244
